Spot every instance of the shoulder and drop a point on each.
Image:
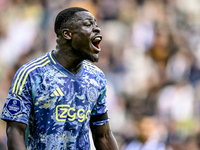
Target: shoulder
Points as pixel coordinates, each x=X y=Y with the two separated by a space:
x=28 y=73
x=93 y=69
x=31 y=69
x=39 y=61
x=34 y=64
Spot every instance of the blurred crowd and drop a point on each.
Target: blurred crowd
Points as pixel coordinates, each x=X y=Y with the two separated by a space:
x=150 y=56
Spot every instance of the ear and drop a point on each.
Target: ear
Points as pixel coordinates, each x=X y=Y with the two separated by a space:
x=67 y=34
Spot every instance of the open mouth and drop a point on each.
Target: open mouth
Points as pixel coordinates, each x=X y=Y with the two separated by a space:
x=96 y=42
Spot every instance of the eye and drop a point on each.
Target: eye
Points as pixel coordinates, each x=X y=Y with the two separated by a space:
x=88 y=24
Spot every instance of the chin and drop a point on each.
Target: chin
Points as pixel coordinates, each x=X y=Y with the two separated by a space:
x=93 y=58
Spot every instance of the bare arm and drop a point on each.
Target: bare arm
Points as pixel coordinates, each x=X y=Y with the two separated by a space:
x=103 y=137
x=15 y=135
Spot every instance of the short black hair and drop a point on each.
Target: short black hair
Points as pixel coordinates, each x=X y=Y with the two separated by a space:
x=64 y=16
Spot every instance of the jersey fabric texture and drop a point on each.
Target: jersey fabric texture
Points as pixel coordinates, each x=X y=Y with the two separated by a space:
x=55 y=104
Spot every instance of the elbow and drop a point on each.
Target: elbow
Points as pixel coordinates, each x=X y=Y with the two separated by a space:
x=106 y=142
x=104 y=138
x=105 y=135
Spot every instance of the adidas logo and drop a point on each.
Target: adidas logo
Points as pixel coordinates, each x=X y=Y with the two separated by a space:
x=57 y=92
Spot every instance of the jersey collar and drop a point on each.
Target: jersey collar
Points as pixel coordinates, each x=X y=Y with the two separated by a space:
x=64 y=70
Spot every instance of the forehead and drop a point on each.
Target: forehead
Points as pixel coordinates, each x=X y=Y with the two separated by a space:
x=84 y=15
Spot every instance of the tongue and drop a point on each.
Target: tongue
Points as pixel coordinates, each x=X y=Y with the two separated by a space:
x=96 y=44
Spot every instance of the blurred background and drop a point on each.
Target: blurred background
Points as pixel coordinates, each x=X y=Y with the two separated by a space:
x=150 y=56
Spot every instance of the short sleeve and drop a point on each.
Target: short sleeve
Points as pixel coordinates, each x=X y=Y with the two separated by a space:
x=18 y=104
x=101 y=107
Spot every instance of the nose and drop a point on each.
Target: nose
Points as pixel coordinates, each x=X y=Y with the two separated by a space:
x=96 y=29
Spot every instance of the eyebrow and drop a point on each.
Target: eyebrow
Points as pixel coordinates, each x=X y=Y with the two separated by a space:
x=90 y=19
x=85 y=19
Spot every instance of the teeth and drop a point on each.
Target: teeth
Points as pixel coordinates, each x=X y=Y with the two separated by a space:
x=97 y=39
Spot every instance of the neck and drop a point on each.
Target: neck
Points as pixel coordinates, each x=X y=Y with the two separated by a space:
x=142 y=139
x=67 y=59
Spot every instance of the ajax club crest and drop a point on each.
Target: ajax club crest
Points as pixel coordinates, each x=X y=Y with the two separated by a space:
x=92 y=94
